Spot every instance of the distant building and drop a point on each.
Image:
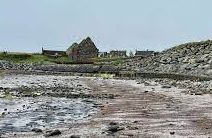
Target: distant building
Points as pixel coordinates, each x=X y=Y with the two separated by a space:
x=117 y=53
x=103 y=54
x=83 y=51
x=53 y=53
x=144 y=53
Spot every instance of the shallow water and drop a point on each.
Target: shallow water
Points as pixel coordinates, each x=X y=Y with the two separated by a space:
x=23 y=114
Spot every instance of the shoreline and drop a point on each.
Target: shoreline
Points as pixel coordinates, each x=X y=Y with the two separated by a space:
x=141 y=108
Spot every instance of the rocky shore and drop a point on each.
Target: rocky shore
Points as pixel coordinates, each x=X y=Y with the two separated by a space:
x=33 y=103
x=169 y=97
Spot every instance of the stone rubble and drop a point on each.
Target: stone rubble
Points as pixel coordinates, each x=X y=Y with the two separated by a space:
x=190 y=58
x=192 y=87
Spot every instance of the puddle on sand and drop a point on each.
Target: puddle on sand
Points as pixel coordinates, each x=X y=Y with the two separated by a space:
x=42 y=112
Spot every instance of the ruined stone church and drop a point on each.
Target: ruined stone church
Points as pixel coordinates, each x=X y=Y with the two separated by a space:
x=84 y=51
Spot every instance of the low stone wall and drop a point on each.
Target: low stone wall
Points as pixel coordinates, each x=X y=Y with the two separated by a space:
x=163 y=75
x=80 y=68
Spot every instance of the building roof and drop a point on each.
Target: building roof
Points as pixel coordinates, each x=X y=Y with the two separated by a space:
x=52 y=52
x=74 y=45
x=84 y=43
x=144 y=53
x=118 y=51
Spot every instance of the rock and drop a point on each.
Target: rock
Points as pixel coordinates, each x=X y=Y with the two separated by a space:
x=130 y=135
x=210 y=86
x=132 y=128
x=146 y=84
x=198 y=93
x=3 y=114
x=74 y=136
x=37 y=130
x=166 y=86
x=108 y=69
x=135 y=122
x=53 y=133
x=115 y=128
x=113 y=123
x=172 y=133
x=209 y=72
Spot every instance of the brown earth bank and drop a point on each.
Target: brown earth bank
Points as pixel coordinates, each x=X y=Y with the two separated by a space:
x=144 y=108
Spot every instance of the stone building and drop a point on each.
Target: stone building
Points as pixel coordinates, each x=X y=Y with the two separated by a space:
x=144 y=53
x=117 y=53
x=83 y=51
x=103 y=54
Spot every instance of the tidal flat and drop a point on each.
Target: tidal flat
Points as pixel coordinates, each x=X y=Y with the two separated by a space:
x=39 y=106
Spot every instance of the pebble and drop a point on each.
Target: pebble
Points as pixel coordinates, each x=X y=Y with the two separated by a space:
x=166 y=86
x=53 y=133
x=74 y=136
x=37 y=130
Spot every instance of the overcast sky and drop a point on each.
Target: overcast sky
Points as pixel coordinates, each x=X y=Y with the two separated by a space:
x=27 y=25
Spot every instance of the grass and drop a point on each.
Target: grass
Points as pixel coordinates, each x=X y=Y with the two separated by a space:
x=14 y=57
x=118 y=62
x=60 y=60
x=7 y=95
x=35 y=58
x=106 y=76
x=113 y=60
x=1 y=73
x=21 y=57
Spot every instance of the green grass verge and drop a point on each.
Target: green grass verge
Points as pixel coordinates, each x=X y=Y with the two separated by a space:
x=113 y=60
x=43 y=59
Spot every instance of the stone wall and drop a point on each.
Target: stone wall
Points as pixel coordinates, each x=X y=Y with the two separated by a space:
x=79 y=68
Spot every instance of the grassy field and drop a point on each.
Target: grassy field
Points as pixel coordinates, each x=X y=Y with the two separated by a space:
x=112 y=60
x=42 y=59
x=33 y=58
